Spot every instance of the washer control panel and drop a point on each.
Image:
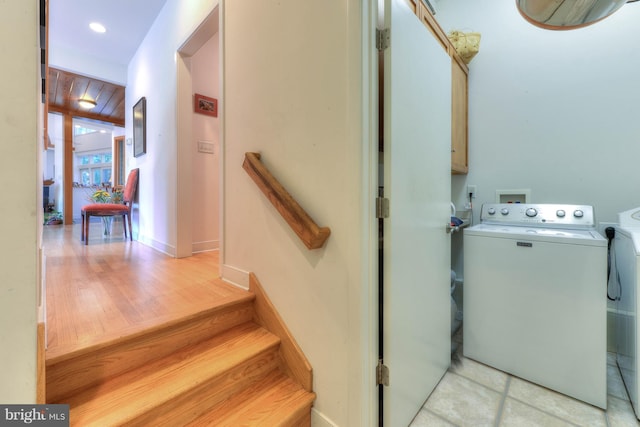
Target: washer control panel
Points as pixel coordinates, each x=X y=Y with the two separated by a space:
x=539 y=215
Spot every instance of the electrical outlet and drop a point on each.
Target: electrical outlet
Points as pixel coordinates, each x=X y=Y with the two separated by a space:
x=471 y=189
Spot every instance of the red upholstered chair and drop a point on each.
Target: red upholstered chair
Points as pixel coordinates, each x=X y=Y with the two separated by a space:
x=112 y=209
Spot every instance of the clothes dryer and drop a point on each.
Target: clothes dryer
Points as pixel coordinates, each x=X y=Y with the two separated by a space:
x=623 y=288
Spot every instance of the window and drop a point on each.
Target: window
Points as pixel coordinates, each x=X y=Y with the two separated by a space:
x=95 y=168
x=85 y=177
x=81 y=130
x=97 y=176
x=106 y=175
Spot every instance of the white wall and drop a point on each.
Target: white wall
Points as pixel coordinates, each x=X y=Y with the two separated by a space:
x=21 y=142
x=152 y=74
x=63 y=58
x=292 y=91
x=90 y=142
x=552 y=111
x=205 y=66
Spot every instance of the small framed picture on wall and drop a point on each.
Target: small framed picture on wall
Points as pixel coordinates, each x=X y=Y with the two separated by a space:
x=205 y=105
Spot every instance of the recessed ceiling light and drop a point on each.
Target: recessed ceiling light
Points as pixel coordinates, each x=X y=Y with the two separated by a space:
x=97 y=27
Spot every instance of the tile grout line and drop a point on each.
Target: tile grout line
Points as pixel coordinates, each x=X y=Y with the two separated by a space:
x=606 y=413
x=606 y=418
x=448 y=421
x=552 y=415
x=500 y=410
x=483 y=385
x=504 y=398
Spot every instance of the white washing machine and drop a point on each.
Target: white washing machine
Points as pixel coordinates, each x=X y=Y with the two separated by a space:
x=535 y=296
x=623 y=287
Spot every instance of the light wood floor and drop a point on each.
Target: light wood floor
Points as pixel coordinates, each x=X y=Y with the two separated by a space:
x=113 y=287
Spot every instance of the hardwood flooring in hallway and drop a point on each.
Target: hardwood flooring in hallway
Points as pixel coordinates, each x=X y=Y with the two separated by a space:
x=114 y=288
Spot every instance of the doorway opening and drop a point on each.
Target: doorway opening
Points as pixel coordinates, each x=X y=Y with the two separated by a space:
x=199 y=151
x=91 y=163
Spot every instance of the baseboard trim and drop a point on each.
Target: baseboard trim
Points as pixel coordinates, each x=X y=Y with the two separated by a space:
x=206 y=246
x=265 y=314
x=41 y=384
x=318 y=419
x=166 y=249
x=158 y=246
x=235 y=276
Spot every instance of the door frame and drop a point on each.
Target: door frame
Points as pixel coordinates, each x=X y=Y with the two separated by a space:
x=184 y=125
x=370 y=183
x=118 y=152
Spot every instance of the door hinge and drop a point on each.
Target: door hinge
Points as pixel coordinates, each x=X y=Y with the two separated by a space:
x=382 y=207
x=383 y=38
x=382 y=374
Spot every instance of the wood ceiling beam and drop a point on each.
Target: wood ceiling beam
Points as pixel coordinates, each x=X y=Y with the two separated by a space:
x=86 y=115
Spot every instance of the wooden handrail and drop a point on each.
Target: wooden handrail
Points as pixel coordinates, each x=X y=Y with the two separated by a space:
x=300 y=222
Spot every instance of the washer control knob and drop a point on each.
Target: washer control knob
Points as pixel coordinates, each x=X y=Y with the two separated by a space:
x=491 y=211
x=578 y=213
x=560 y=213
x=531 y=212
x=504 y=211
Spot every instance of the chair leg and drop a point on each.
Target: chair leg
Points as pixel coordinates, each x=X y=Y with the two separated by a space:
x=86 y=228
x=82 y=230
x=124 y=226
x=130 y=229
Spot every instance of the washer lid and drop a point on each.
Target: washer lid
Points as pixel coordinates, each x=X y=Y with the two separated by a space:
x=630 y=218
x=553 y=235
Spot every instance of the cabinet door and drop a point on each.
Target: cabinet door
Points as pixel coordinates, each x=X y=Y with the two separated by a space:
x=459 y=116
x=430 y=22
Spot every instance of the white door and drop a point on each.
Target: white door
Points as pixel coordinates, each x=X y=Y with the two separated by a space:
x=417 y=182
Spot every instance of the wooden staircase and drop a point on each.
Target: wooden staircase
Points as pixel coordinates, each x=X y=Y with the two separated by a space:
x=231 y=365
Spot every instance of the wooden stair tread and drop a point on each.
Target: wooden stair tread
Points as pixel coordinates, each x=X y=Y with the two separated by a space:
x=57 y=353
x=273 y=401
x=70 y=373
x=159 y=388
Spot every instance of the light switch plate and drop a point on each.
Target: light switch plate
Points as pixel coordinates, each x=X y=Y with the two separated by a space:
x=205 y=147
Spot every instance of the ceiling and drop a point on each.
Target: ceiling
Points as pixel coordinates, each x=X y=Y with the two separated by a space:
x=66 y=89
x=127 y=22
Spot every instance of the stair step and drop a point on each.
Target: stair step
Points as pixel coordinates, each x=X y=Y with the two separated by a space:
x=273 y=401
x=70 y=373
x=180 y=387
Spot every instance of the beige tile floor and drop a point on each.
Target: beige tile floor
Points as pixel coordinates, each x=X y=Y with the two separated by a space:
x=473 y=394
